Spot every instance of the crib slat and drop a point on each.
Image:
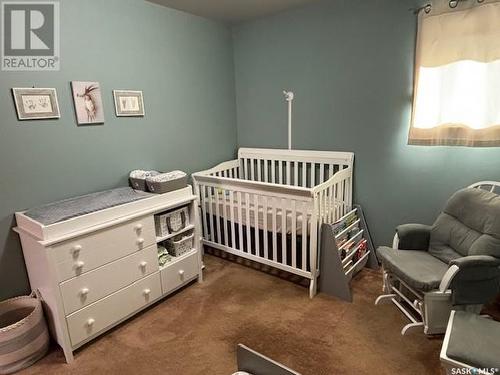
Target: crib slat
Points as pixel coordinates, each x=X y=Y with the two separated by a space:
x=295 y=173
x=224 y=217
x=231 y=206
x=280 y=171
x=294 y=234
x=275 y=238
x=256 y=227
x=264 y=222
x=321 y=173
x=245 y=168
x=288 y=172
x=217 y=215
x=331 y=170
x=304 y=236
x=313 y=174
x=203 y=193
x=248 y=223
x=304 y=174
x=252 y=169
x=240 y=221
x=211 y=213
x=266 y=172
x=283 y=232
x=273 y=171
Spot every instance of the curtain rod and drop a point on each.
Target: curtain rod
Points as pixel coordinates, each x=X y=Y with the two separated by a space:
x=427 y=7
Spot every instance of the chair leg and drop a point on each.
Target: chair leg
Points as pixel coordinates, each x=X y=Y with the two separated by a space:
x=410 y=326
x=384 y=297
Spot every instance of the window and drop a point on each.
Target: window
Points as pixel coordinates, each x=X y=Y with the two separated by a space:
x=457 y=75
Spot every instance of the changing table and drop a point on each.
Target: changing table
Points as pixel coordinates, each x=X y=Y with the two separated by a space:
x=94 y=259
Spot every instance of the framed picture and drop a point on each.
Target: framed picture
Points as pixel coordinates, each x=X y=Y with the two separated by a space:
x=128 y=103
x=88 y=102
x=36 y=104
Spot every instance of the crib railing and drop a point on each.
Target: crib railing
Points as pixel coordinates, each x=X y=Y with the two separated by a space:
x=259 y=222
x=292 y=167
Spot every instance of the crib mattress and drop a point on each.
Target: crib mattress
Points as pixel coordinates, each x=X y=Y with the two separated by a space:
x=300 y=216
x=73 y=207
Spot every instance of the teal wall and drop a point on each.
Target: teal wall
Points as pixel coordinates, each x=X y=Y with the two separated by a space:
x=350 y=64
x=184 y=66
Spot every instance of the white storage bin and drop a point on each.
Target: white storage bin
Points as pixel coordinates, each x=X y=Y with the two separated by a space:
x=171 y=222
x=179 y=245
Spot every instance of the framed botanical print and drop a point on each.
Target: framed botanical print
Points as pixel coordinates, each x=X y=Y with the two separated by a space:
x=35 y=103
x=88 y=102
x=128 y=103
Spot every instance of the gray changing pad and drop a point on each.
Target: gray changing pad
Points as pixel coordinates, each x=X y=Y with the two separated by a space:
x=73 y=207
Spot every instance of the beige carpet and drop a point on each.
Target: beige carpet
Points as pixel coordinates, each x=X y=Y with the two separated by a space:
x=196 y=331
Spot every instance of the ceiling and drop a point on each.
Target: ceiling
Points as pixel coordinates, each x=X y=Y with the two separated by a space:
x=232 y=11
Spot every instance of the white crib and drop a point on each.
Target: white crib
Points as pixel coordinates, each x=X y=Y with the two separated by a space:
x=268 y=205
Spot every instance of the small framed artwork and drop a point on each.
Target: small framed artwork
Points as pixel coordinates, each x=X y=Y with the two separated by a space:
x=88 y=102
x=36 y=104
x=128 y=103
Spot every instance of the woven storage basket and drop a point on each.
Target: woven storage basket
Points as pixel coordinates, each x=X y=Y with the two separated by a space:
x=24 y=337
x=179 y=245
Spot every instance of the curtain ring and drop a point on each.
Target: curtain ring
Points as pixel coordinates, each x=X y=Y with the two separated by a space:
x=453 y=4
x=428 y=7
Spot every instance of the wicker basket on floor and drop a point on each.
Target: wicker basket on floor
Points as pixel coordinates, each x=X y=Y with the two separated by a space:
x=24 y=338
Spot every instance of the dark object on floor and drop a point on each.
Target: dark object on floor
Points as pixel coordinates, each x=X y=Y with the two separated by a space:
x=257 y=364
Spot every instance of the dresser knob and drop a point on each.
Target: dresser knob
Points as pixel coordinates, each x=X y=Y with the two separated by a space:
x=76 y=249
x=181 y=273
x=79 y=265
x=138 y=227
x=84 y=292
x=143 y=264
x=90 y=322
x=146 y=292
x=140 y=241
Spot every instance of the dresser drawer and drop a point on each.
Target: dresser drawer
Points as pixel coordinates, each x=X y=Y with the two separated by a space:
x=102 y=314
x=178 y=273
x=82 y=254
x=82 y=290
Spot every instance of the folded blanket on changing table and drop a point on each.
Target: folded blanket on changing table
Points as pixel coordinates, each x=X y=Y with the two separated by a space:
x=73 y=207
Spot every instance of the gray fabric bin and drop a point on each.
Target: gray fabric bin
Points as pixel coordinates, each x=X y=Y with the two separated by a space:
x=138 y=183
x=24 y=338
x=166 y=186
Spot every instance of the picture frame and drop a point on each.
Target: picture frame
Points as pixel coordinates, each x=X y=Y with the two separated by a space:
x=36 y=103
x=128 y=103
x=87 y=99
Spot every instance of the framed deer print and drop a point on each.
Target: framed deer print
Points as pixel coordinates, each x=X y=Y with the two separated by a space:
x=36 y=104
x=128 y=103
x=88 y=102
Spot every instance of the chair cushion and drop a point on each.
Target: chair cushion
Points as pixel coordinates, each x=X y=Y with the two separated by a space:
x=418 y=269
x=468 y=225
x=474 y=340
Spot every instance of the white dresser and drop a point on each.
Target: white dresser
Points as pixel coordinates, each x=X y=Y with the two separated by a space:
x=98 y=269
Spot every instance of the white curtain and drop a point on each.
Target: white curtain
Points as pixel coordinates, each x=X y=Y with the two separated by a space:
x=457 y=75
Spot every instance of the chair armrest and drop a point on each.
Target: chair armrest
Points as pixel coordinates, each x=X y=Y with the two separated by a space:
x=413 y=236
x=473 y=279
x=473 y=261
